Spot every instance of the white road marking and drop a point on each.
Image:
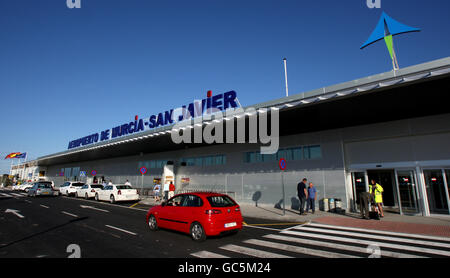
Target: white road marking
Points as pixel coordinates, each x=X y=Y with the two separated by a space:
x=305 y=224
x=208 y=255
x=122 y=230
x=382 y=232
x=252 y=252
x=90 y=207
x=17 y=195
x=297 y=249
x=369 y=242
x=15 y=212
x=104 y=203
x=377 y=237
x=339 y=246
x=70 y=214
x=6 y=195
x=44 y=206
x=262 y=228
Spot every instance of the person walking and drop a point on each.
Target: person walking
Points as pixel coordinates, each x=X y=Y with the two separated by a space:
x=166 y=191
x=377 y=191
x=365 y=200
x=127 y=183
x=171 y=190
x=311 y=200
x=302 y=194
x=156 y=190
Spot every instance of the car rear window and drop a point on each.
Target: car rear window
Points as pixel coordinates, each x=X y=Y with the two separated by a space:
x=77 y=184
x=124 y=187
x=220 y=201
x=96 y=186
x=44 y=185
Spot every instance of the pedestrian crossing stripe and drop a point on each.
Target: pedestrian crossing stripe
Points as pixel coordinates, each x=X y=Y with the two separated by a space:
x=11 y=195
x=415 y=236
x=376 y=237
x=252 y=252
x=18 y=194
x=335 y=242
x=209 y=255
x=343 y=247
x=371 y=242
x=297 y=249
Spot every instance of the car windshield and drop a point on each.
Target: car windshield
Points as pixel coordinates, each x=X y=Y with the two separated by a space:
x=44 y=185
x=220 y=201
x=124 y=187
x=78 y=184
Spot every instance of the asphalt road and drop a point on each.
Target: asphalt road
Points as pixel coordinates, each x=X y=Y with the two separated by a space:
x=55 y=226
x=61 y=227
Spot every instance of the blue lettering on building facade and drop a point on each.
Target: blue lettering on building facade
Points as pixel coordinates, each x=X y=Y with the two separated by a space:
x=220 y=102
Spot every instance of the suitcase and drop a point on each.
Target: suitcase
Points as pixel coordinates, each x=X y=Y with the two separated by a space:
x=374 y=215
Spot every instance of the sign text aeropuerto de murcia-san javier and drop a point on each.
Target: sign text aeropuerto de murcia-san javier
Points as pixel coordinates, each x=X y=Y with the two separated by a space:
x=219 y=102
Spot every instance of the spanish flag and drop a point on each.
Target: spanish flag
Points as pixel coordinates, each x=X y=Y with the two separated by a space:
x=16 y=155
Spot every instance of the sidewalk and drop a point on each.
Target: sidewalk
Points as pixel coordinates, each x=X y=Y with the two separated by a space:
x=433 y=226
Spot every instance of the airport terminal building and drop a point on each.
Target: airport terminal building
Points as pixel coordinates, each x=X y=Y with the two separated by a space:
x=393 y=127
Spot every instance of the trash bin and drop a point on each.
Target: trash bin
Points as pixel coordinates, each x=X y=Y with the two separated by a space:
x=324 y=204
x=331 y=204
x=338 y=203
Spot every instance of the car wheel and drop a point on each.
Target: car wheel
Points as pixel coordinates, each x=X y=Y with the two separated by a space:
x=111 y=199
x=197 y=232
x=96 y=196
x=86 y=196
x=152 y=224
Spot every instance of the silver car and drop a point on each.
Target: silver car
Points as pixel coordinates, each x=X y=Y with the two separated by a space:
x=42 y=188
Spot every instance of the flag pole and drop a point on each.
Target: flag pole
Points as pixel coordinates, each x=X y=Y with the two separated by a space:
x=285 y=76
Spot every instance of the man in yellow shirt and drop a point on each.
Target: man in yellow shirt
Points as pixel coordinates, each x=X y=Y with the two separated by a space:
x=376 y=190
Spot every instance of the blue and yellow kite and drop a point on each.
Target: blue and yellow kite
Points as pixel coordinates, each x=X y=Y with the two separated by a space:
x=386 y=29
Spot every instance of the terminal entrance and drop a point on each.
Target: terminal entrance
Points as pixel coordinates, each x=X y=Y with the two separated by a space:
x=387 y=180
x=400 y=189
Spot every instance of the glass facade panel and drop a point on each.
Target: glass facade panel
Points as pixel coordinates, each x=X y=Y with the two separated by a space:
x=297 y=154
x=437 y=197
x=315 y=152
x=290 y=154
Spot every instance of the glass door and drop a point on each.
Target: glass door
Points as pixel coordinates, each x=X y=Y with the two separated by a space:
x=436 y=191
x=359 y=186
x=408 y=191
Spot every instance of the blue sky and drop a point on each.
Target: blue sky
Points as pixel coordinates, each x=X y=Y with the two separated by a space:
x=67 y=73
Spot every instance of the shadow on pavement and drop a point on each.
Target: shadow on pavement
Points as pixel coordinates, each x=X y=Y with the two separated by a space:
x=43 y=232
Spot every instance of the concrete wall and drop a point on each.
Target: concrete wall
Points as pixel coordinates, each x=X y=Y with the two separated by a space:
x=421 y=139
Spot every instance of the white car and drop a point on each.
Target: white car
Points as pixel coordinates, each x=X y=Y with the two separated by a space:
x=70 y=187
x=25 y=187
x=117 y=193
x=88 y=191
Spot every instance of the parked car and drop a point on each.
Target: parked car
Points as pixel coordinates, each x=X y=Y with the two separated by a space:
x=25 y=187
x=70 y=187
x=42 y=188
x=15 y=187
x=88 y=191
x=117 y=193
x=199 y=214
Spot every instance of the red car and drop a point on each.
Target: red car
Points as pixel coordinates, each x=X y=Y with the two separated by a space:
x=199 y=214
